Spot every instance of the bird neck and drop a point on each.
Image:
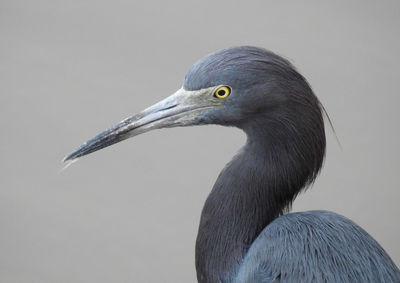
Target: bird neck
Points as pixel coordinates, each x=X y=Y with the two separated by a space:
x=256 y=187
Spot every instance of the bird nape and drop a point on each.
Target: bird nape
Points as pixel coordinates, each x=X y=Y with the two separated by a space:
x=244 y=233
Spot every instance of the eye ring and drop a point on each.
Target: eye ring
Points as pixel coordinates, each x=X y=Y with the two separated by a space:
x=222 y=92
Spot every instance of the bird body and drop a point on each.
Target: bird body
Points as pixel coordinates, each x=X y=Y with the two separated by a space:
x=316 y=246
x=244 y=234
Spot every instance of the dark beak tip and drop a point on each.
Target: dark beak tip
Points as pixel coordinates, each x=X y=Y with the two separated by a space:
x=76 y=154
x=66 y=158
x=70 y=157
x=68 y=161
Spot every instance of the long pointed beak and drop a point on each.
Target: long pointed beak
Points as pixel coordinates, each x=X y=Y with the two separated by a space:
x=179 y=109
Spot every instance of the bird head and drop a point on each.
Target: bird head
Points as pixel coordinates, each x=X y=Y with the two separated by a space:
x=233 y=87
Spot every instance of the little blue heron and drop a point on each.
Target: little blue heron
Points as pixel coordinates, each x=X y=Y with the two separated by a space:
x=245 y=232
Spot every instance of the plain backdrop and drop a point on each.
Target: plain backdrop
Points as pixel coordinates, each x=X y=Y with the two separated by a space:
x=129 y=213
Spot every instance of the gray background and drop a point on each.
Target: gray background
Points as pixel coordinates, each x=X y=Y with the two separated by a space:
x=69 y=69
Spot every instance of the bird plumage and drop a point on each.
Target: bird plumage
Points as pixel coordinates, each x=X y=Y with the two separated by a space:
x=244 y=234
x=274 y=105
x=316 y=246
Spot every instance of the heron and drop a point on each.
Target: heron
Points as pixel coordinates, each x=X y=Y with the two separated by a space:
x=246 y=232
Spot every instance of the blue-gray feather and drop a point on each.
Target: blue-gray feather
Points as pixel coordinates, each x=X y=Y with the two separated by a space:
x=239 y=67
x=316 y=246
x=242 y=235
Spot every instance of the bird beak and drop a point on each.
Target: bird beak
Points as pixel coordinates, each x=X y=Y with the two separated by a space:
x=179 y=109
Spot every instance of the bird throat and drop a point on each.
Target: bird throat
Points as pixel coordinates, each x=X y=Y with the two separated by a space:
x=251 y=191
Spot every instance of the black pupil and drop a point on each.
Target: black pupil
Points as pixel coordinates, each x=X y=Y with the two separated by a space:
x=221 y=92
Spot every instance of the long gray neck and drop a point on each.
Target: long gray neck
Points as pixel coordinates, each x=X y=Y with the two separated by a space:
x=253 y=189
x=242 y=202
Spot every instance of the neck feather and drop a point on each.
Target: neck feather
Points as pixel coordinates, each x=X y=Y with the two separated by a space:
x=257 y=186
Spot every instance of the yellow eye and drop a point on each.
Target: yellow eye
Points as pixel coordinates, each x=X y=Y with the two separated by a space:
x=222 y=92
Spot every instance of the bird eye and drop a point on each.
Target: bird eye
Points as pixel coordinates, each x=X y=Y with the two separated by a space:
x=222 y=92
